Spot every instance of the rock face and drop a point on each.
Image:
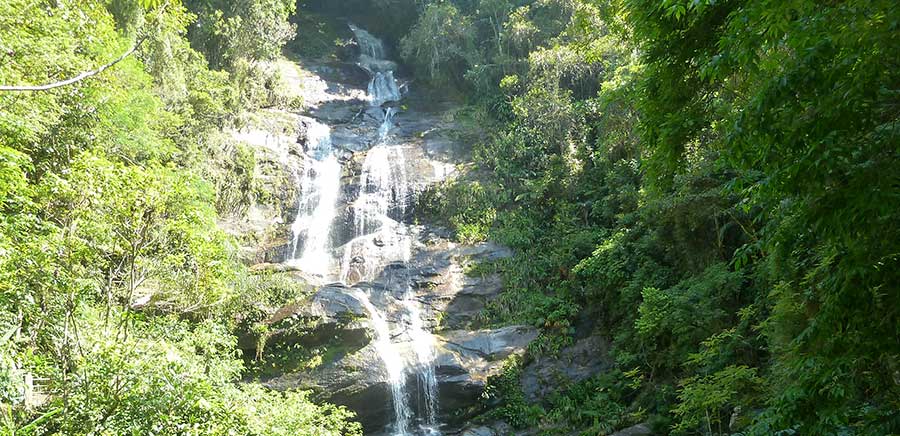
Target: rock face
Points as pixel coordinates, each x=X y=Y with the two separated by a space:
x=585 y=358
x=404 y=323
x=636 y=430
x=272 y=135
x=331 y=316
x=497 y=429
x=464 y=359
x=467 y=358
x=359 y=382
x=438 y=273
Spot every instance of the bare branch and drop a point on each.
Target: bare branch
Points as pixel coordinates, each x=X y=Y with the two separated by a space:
x=75 y=79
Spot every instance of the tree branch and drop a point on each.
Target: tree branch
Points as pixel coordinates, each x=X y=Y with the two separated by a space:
x=75 y=79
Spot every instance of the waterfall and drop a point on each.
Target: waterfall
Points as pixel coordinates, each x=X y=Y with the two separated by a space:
x=393 y=364
x=379 y=234
x=423 y=345
x=319 y=190
x=383 y=88
x=386 y=124
x=380 y=238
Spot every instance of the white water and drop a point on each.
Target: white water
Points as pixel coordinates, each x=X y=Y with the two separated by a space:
x=386 y=125
x=383 y=88
x=423 y=344
x=393 y=364
x=380 y=237
x=319 y=189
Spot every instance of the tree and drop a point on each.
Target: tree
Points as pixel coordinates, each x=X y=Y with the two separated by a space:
x=116 y=285
x=229 y=31
x=440 y=44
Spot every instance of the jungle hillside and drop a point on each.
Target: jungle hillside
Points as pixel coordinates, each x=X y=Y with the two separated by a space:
x=450 y=217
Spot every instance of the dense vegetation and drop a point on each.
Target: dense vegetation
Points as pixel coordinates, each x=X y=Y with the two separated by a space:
x=118 y=292
x=710 y=185
x=713 y=187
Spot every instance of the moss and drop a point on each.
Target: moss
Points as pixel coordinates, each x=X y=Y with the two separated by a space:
x=281 y=358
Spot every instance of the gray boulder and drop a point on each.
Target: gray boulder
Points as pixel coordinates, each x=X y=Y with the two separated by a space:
x=329 y=316
x=585 y=358
x=465 y=361
x=636 y=430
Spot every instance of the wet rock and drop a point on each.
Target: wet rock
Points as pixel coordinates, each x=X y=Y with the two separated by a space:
x=479 y=431
x=266 y=267
x=375 y=114
x=465 y=361
x=338 y=112
x=585 y=358
x=637 y=430
x=349 y=140
x=372 y=65
x=329 y=316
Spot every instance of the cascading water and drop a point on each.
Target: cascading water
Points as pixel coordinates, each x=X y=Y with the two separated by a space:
x=423 y=345
x=319 y=189
x=393 y=364
x=386 y=124
x=381 y=238
x=379 y=235
x=383 y=88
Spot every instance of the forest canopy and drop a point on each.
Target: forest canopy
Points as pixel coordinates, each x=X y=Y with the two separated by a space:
x=715 y=183
x=118 y=291
x=711 y=187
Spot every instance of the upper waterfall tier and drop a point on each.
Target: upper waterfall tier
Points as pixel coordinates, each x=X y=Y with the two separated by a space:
x=319 y=189
x=383 y=87
x=368 y=43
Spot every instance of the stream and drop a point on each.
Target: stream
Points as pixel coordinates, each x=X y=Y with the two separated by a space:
x=379 y=237
x=391 y=309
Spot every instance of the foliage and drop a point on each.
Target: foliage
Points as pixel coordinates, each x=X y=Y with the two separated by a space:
x=440 y=41
x=712 y=185
x=231 y=31
x=505 y=399
x=709 y=401
x=118 y=291
x=291 y=414
x=595 y=405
